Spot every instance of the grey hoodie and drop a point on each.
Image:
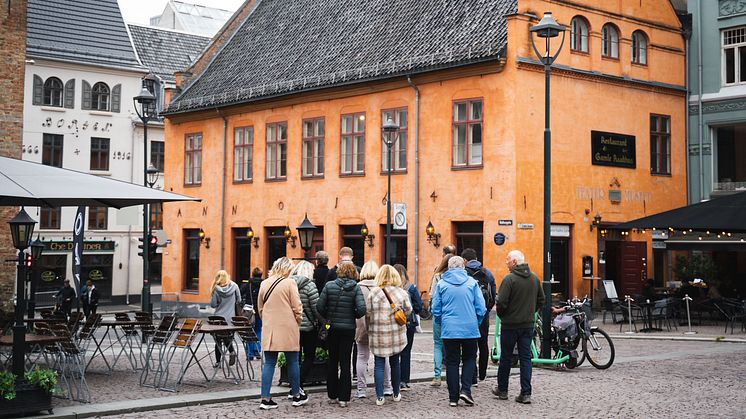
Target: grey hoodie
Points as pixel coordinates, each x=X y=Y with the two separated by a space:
x=224 y=301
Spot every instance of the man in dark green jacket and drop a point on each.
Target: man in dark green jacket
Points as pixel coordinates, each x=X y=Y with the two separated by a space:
x=519 y=298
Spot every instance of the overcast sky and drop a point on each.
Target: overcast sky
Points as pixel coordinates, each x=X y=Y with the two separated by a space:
x=140 y=11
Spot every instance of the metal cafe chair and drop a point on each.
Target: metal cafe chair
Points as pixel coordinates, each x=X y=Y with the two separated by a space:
x=246 y=336
x=72 y=365
x=153 y=359
x=181 y=344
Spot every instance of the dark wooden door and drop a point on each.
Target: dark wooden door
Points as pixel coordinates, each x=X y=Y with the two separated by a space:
x=632 y=267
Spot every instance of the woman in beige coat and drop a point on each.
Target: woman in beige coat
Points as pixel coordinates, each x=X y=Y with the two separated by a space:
x=281 y=312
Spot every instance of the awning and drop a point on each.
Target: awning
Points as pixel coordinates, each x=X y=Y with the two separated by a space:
x=723 y=214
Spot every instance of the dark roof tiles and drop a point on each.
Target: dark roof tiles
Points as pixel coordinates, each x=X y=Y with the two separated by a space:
x=166 y=51
x=87 y=31
x=287 y=46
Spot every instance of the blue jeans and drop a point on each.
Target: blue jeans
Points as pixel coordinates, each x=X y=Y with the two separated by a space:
x=254 y=349
x=378 y=374
x=437 y=350
x=268 y=372
x=406 y=355
x=508 y=340
x=464 y=350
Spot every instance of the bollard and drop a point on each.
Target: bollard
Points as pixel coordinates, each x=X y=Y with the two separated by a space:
x=687 y=298
x=629 y=300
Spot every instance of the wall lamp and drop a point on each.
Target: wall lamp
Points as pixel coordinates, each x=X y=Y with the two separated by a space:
x=289 y=236
x=432 y=236
x=596 y=221
x=367 y=237
x=204 y=239
x=252 y=237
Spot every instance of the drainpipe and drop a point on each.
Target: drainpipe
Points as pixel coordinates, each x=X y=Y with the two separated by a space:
x=700 y=127
x=222 y=197
x=416 y=180
x=129 y=229
x=687 y=119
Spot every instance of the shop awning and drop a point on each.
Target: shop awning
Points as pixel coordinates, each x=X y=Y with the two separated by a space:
x=723 y=214
x=28 y=183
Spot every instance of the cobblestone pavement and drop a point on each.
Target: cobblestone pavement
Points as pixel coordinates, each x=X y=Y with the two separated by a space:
x=648 y=379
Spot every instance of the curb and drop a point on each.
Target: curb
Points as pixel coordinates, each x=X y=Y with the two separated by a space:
x=680 y=338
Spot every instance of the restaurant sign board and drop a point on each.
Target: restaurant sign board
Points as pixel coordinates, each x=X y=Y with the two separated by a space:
x=609 y=149
x=68 y=246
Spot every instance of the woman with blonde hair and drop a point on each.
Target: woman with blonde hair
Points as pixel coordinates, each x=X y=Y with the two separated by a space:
x=412 y=323
x=386 y=337
x=281 y=311
x=437 y=341
x=224 y=294
x=309 y=296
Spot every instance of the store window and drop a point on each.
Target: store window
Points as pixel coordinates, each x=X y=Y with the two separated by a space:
x=97 y=268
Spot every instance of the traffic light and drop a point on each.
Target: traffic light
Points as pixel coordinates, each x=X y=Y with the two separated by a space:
x=152 y=246
x=140 y=246
x=28 y=261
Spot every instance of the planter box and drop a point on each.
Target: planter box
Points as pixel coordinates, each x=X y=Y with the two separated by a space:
x=316 y=376
x=29 y=399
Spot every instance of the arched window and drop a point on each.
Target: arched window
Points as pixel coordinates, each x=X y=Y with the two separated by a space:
x=610 y=41
x=53 y=92
x=579 y=34
x=100 y=97
x=639 y=47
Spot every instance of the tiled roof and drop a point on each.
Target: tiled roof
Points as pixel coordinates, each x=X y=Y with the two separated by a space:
x=87 y=31
x=288 y=46
x=165 y=51
x=198 y=19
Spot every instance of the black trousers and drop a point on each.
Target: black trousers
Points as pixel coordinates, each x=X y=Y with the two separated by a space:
x=484 y=348
x=308 y=348
x=339 y=377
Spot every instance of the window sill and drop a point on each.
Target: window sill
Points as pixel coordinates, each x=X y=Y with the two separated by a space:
x=394 y=172
x=352 y=174
x=642 y=65
x=241 y=182
x=52 y=108
x=277 y=179
x=101 y=113
x=314 y=177
x=608 y=58
x=192 y=185
x=580 y=52
x=100 y=172
x=660 y=174
x=475 y=167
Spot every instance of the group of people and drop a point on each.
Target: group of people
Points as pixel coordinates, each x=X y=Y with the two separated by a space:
x=66 y=296
x=356 y=312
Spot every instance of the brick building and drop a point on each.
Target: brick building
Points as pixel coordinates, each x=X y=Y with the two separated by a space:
x=285 y=119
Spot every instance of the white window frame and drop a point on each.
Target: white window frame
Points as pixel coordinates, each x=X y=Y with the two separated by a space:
x=738 y=73
x=399 y=149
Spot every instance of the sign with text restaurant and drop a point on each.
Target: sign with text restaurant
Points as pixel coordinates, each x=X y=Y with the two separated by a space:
x=609 y=149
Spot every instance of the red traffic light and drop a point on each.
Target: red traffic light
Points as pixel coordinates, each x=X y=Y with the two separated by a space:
x=153 y=240
x=28 y=261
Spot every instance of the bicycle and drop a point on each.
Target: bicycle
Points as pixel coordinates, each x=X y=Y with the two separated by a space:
x=564 y=347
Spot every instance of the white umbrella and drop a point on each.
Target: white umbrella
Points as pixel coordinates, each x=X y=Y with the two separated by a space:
x=34 y=184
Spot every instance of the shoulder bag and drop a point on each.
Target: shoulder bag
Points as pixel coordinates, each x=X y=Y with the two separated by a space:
x=399 y=316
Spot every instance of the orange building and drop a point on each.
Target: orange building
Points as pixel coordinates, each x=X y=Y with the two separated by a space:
x=284 y=119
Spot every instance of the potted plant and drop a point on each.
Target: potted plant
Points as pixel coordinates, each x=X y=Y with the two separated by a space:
x=31 y=394
x=318 y=372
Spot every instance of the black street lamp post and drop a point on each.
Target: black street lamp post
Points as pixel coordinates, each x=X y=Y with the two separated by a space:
x=146 y=101
x=37 y=247
x=21 y=228
x=389 y=138
x=547 y=28
x=305 y=234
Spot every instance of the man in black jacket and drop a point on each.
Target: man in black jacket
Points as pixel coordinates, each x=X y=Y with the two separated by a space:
x=322 y=270
x=518 y=300
x=90 y=299
x=65 y=297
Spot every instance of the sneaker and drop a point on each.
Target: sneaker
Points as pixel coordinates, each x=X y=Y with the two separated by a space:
x=332 y=401
x=300 y=392
x=267 y=405
x=502 y=395
x=360 y=394
x=388 y=392
x=397 y=397
x=300 y=400
x=342 y=404
x=436 y=382
x=467 y=399
x=404 y=387
x=475 y=384
x=232 y=359
x=453 y=404
x=380 y=401
x=523 y=398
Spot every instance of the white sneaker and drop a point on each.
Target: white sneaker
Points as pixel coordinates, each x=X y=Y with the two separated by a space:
x=360 y=394
x=343 y=404
x=397 y=397
x=380 y=401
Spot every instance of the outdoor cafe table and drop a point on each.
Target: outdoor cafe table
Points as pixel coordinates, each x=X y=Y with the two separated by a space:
x=233 y=370
x=33 y=342
x=648 y=317
x=117 y=339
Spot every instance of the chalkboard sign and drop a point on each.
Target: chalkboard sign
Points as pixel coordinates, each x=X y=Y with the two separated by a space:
x=609 y=149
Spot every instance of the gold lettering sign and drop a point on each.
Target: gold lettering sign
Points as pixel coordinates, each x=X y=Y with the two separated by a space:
x=609 y=149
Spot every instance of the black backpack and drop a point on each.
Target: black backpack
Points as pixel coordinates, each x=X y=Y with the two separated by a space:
x=484 y=285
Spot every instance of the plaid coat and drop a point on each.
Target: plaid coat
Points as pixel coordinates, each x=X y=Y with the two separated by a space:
x=385 y=336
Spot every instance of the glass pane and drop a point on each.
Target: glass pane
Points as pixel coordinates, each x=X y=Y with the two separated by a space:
x=307 y=129
x=360 y=153
x=459 y=112
x=401 y=161
x=475 y=156
x=402 y=119
x=197 y=167
x=730 y=65
x=360 y=123
x=459 y=144
x=249 y=170
x=653 y=123
x=320 y=128
x=388 y=115
x=198 y=142
x=271 y=133
x=742 y=64
x=476 y=110
x=346 y=154
x=307 y=158
x=283 y=132
x=346 y=124
x=237 y=160
x=666 y=124
x=238 y=136
x=319 y=157
x=271 y=161
x=188 y=164
x=283 y=160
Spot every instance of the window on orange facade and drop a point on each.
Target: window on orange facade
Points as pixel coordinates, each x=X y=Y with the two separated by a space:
x=660 y=145
x=277 y=147
x=243 y=154
x=352 y=147
x=193 y=159
x=399 y=149
x=313 y=147
x=467 y=133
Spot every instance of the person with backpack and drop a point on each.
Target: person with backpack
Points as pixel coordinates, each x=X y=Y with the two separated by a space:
x=520 y=297
x=487 y=287
x=412 y=323
x=249 y=295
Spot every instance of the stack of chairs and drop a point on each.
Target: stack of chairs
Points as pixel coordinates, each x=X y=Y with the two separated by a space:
x=154 y=355
x=246 y=336
x=71 y=364
x=86 y=335
x=182 y=344
x=129 y=341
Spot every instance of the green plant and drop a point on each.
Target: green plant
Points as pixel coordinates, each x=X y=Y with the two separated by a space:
x=695 y=266
x=45 y=379
x=322 y=354
x=7 y=385
x=281 y=361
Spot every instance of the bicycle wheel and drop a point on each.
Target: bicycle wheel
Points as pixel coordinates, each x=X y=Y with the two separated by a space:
x=601 y=352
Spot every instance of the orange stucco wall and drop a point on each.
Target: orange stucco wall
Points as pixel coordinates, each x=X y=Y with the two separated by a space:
x=508 y=186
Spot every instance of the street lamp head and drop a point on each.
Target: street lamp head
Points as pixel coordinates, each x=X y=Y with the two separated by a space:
x=152 y=173
x=389 y=129
x=305 y=234
x=145 y=97
x=547 y=27
x=22 y=229
x=37 y=247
